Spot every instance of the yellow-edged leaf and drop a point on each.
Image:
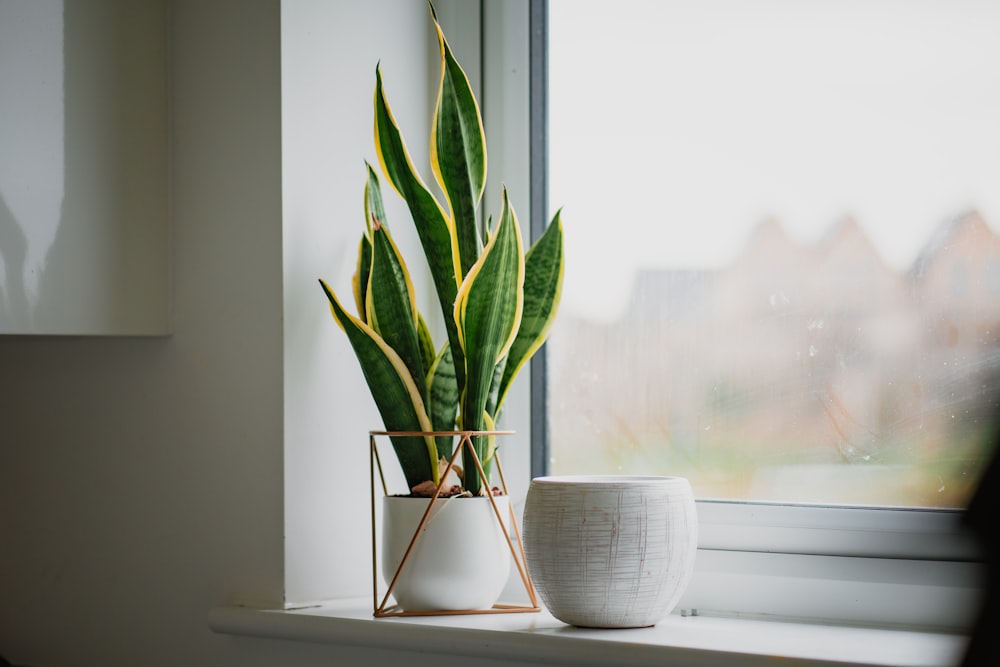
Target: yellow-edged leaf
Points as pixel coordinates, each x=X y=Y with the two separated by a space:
x=392 y=304
x=488 y=312
x=396 y=395
x=434 y=227
x=458 y=152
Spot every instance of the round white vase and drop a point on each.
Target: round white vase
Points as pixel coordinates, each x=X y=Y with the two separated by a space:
x=461 y=560
x=610 y=551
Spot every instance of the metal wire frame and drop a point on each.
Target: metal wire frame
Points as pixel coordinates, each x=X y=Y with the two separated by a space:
x=517 y=553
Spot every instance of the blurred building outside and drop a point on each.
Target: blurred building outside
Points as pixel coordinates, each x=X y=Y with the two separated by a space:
x=806 y=373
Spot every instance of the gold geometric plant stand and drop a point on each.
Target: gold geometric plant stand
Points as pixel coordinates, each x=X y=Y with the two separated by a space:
x=517 y=553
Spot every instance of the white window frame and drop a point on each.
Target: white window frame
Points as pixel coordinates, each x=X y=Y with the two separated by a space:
x=881 y=566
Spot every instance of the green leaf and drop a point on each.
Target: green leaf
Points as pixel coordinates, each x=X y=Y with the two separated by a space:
x=444 y=397
x=395 y=393
x=458 y=152
x=373 y=211
x=426 y=343
x=543 y=279
x=362 y=273
x=488 y=311
x=433 y=225
x=392 y=304
x=493 y=399
x=373 y=198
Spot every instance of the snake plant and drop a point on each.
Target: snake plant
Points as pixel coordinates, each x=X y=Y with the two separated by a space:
x=497 y=301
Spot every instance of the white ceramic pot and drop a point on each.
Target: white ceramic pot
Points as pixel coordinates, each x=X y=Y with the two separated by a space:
x=610 y=551
x=461 y=561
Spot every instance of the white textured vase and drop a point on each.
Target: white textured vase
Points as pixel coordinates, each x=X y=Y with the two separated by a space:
x=610 y=551
x=461 y=561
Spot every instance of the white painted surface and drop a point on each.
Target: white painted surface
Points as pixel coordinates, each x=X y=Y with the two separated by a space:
x=83 y=168
x=329 y=54
x=876 y=591
x=140 y=479
x=504 y=105
x=539 y=639
x=883 y=532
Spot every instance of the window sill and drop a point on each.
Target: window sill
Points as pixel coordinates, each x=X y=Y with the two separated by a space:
x=540 y=639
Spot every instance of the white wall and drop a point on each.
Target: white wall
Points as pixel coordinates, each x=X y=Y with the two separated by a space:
x=142 y=481
x=83 y=187
x=329 y=54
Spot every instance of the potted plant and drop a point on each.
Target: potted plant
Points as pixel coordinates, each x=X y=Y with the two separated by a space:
x=497 y=301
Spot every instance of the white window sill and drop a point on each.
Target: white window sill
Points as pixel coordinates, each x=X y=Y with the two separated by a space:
x=540 y=639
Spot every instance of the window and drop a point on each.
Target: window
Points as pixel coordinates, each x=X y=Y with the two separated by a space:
x=790 y=560
x=792 y=208
x=824 y=552
x=793 y=212
x=793 y=336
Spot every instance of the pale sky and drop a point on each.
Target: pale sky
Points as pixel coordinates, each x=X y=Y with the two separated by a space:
x=676 y=127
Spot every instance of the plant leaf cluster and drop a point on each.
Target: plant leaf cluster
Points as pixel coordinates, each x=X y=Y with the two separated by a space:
x=497 y=301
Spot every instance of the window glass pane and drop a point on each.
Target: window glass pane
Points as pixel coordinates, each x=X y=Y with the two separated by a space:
x=783 y=276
